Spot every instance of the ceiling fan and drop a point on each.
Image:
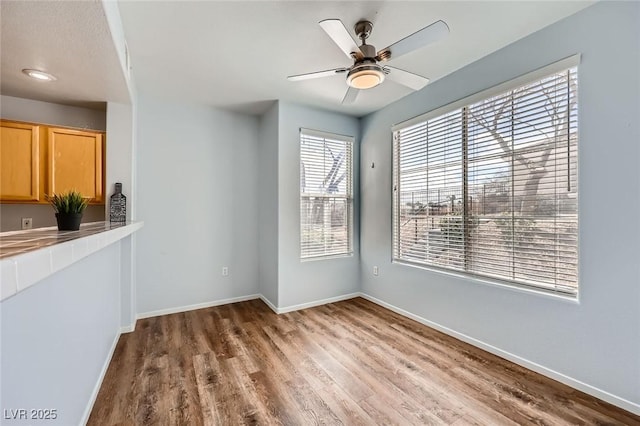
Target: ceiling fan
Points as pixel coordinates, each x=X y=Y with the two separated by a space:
x=367 y=71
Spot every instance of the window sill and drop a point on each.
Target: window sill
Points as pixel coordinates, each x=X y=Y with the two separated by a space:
x=329 y=257
x=520 y=288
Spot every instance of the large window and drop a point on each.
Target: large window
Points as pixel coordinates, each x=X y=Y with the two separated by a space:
x=326 y=186
x=489 y=186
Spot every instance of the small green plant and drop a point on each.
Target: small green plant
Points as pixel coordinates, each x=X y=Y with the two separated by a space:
x=68 y=202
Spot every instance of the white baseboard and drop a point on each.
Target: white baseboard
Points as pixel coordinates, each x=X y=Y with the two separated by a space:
x=98 y=385
x=128 y=328
x=179 y=309
x=569 y=381
x=268 y=303
x=274 y=308
x=312 y=304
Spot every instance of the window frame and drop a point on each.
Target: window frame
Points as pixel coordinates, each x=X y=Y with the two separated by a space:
x=348 y=198
x=463 y=105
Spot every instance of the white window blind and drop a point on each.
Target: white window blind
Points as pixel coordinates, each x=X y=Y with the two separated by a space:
x=326 y=187
x=490 y=188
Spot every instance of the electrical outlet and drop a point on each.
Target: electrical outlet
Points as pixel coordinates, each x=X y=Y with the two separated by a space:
x=375 y=270
x=225 y=271
x=27 y=223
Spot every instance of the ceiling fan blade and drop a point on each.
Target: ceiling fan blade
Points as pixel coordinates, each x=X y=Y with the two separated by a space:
x=318 y=74
x=432 y=33
x=350 y=96
x=340 y=36
x=406 y=78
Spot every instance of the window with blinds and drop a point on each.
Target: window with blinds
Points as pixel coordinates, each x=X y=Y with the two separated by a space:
x=490 y=188
x=326 y=187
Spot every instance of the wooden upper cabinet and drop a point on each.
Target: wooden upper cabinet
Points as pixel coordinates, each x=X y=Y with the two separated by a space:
x=75 y=162
x=19 y=161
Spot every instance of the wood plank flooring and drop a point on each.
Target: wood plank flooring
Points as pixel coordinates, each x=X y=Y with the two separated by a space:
x=352 y=363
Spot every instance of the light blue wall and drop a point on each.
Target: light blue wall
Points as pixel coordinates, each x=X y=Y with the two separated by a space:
x=268 y=204
x=595 y=341
x=57 y=336
x=235 y=181
x=120 y=152
x=198 y=196
x=20 y=109
x=304 y=282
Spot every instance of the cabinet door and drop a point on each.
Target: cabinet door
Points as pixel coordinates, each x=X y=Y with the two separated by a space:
x=75 y=163
x=19 y=162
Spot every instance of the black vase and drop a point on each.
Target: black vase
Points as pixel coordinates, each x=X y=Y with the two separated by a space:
x=68 y=221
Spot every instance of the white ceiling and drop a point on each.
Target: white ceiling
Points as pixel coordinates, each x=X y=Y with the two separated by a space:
x=237 y=54
x=70 y=40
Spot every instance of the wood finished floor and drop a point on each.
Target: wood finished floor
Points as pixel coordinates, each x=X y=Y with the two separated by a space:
x=351 y=362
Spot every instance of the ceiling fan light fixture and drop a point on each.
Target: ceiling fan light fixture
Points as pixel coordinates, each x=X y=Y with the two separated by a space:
x=367 y=71
x=365 y=77
x=39 y=75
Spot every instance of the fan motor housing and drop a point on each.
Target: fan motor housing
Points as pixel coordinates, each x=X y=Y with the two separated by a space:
x=368 y=51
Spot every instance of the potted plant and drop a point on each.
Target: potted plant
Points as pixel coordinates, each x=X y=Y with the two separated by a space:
x=69 y=207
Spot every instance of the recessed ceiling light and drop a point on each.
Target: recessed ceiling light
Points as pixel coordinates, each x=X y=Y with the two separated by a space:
x=39 y=75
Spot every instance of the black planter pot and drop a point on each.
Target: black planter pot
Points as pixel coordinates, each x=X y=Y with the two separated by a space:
x=68 y=221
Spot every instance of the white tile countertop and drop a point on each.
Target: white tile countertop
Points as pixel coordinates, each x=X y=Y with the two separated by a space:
x=27 y=257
